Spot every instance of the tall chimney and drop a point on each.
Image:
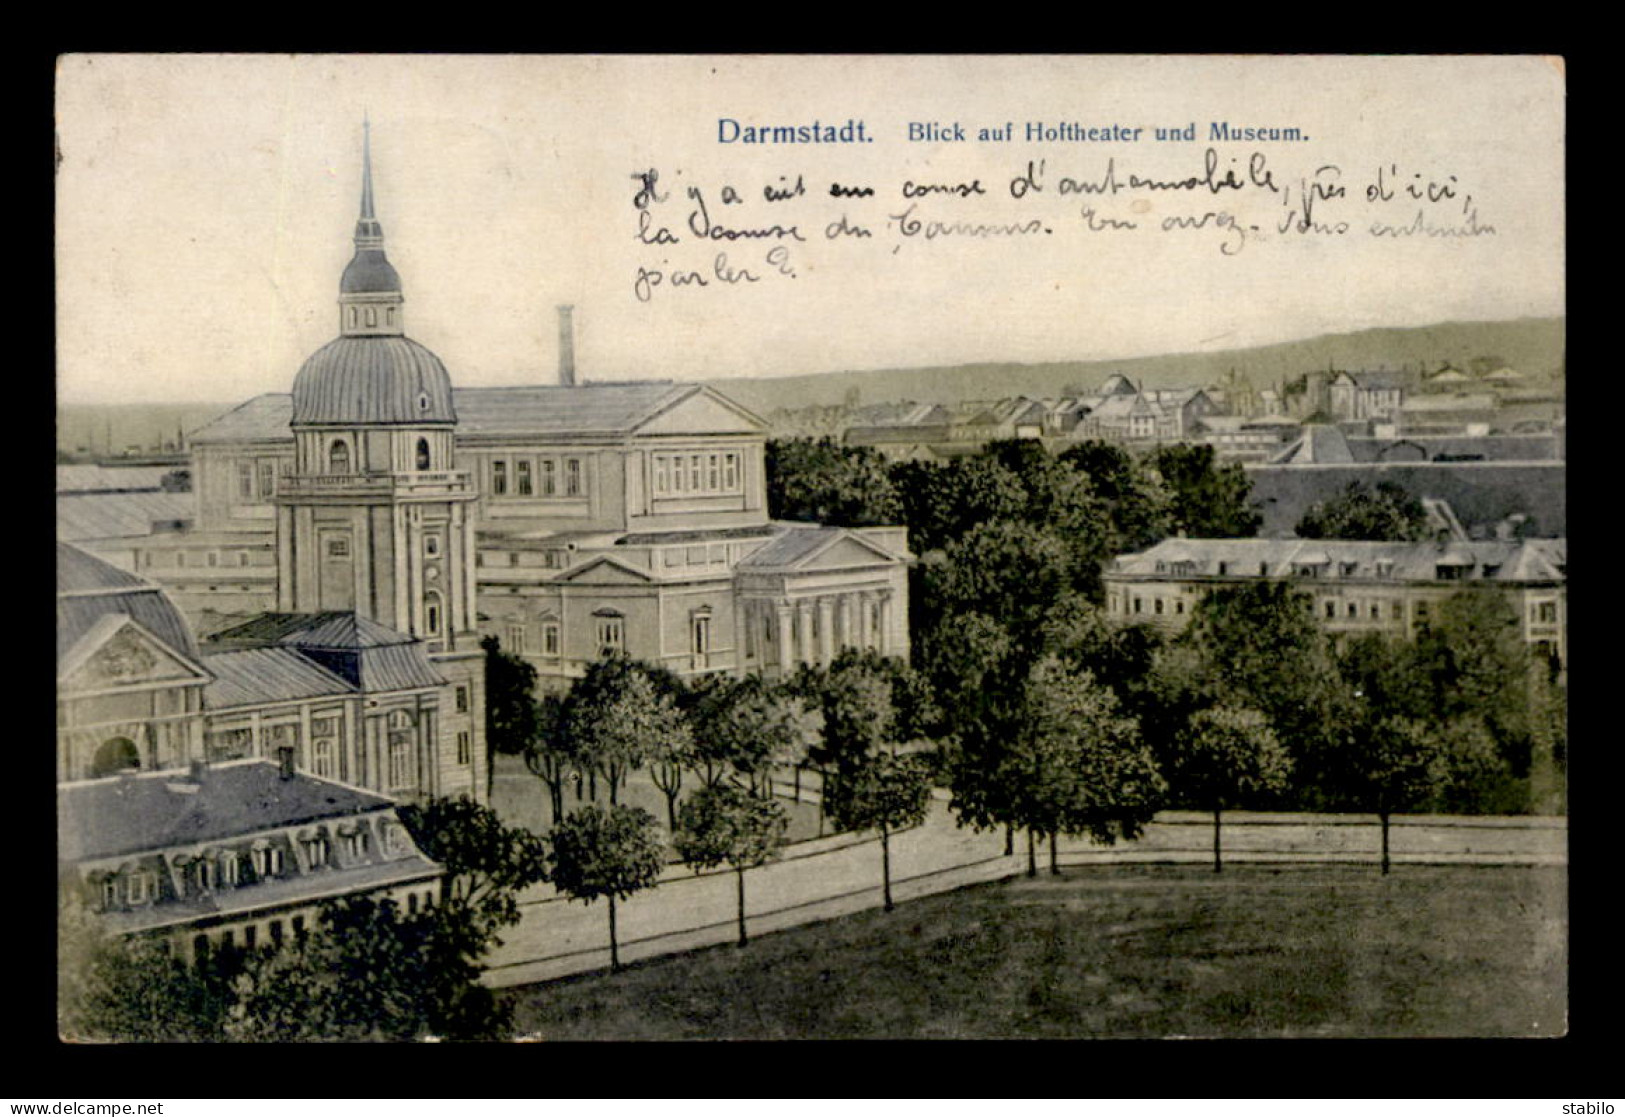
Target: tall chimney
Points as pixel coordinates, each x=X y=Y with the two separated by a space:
x=567 y=348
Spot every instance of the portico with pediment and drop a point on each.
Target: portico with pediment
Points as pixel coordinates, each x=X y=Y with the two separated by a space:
x=815 y=591
x=126 y=700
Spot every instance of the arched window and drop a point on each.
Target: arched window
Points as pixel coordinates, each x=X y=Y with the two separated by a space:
x=118 y=754
x=431 y=614
x=423 y=453
x=338 y=456
x=400 y=761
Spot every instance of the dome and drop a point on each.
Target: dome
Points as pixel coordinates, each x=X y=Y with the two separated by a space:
x=372 y=379
x=369 y=272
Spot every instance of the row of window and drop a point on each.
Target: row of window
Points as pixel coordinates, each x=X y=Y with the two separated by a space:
x=609 y=631
x=537 y=477
x=200 y=559
x=256 y=480
x=205 y=873
x=227 y=940
x=552 y=559
x=369 y=314
x=690 y=473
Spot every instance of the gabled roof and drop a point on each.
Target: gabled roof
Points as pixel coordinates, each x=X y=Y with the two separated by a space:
x=1382 y=378
x=1529 y=560
x=345 y=630
x=363 y=653
x=544 y=409
x=1321 y=444
x=89 y=516
x=111 y=479
x=260 y=676
x=89 y=589
x=604 y=563
x=799 y=546
x=133 y=655
x=132 y=814
x=79 y=571
x=261 y=419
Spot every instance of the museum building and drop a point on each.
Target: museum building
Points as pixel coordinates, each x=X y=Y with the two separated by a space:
x=564 y=519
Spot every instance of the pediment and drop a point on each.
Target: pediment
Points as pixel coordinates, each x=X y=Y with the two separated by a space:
x=846 y=551
x=119 y=652
x=606 y=571
x=703 y=412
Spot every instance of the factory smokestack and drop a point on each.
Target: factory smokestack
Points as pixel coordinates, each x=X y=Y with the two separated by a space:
x=567 y=348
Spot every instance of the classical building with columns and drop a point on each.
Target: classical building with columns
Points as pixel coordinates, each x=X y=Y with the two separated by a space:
x=564 y=519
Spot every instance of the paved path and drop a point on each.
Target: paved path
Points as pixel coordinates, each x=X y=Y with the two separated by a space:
x=838 y=875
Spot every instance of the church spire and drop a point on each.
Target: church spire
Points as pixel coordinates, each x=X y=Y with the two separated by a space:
x=370 y=292
x=368 y=232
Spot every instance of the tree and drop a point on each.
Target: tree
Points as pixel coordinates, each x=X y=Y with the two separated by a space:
x=618 y=717
x=723 y=824
x=549 y=755
x=942 y=502
x=1208 y=501
x=1005 y=569
x=613 y=853
x=827 y=483
x=1387 y=513
x=1226 y=755
x=881 y=792
x=487 y=864
x=1138 y=503
x=1078 y=767
x=1397 y=765
x=749 y=726
x=510 y=699
x=510 y=705
x=1244 y=634
x=1475 y=777
x=366 y=971
x=132 y=990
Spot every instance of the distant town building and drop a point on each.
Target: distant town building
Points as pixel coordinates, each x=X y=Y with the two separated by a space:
x=1351 y=587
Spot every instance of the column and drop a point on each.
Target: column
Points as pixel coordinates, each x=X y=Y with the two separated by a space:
x=826 y=630
x=844 y=603
x=782 y=637
x=865 y=634
x=883 y=637
x=804 y=616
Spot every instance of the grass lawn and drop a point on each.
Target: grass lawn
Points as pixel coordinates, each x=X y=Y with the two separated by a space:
x=1120 y=951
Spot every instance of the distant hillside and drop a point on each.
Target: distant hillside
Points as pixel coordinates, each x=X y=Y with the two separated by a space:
x=1533 y=345
x=103 y=429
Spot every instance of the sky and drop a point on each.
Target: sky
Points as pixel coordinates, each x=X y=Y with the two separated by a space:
x=205 y=205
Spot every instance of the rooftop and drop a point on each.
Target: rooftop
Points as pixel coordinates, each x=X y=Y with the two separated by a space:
x=153 y=811
x=89 y=590
x=1528 y=560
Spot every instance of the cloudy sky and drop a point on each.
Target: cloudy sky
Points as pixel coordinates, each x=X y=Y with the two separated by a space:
x=205 y=207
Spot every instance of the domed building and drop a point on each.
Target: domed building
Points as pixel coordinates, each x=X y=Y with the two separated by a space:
x=562 y=518
x=374 y=515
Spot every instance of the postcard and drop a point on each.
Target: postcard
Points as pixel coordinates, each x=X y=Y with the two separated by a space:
x=587 y=451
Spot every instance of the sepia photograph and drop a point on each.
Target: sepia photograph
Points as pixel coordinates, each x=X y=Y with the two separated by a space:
x=810 y=547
